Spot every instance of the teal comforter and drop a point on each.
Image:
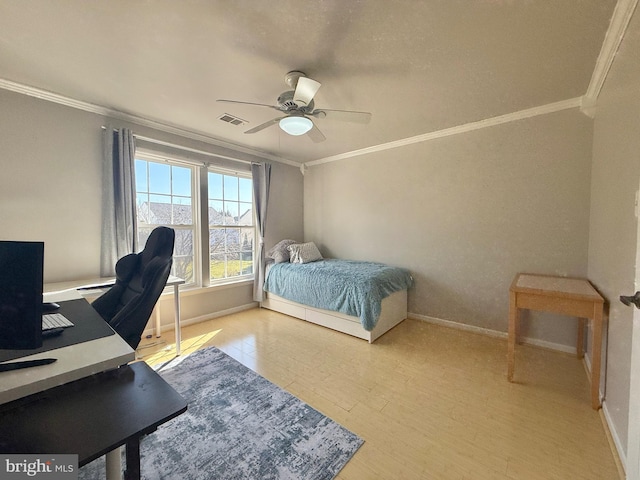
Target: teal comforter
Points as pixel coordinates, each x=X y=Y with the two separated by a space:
x=347 y=286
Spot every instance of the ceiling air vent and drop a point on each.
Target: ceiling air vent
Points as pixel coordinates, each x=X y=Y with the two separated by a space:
x=225 y=117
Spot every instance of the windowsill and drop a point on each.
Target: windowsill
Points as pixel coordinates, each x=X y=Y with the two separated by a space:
x=196 y=290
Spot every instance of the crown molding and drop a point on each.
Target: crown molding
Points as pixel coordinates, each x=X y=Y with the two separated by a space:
x=117 y=114
x=467 y=127
x=52 y=97
x=588 y=106
x=615 y=33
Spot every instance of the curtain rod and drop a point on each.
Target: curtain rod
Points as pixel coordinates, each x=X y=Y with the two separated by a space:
x=187 y=149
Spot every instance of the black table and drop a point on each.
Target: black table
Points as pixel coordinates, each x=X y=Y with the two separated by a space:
x=92 y=416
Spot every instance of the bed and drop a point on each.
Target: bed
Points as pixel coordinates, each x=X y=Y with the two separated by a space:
x=363 y=299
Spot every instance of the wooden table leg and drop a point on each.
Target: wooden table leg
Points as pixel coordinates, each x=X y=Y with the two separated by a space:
x=513 y=321
x=597 y=353
x=580 y=341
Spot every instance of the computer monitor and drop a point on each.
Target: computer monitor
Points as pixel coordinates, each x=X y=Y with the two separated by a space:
x=21 y=269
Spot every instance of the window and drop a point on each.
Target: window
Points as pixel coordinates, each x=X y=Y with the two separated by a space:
x=164 y=196
x=168 y=193
x=231 y=226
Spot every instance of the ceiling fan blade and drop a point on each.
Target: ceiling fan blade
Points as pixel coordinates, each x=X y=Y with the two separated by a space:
x=316 y=135
x=305 y=91
x=344 y=115
x=264 y=125
x=247 y=103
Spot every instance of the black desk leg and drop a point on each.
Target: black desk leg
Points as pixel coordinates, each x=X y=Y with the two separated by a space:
x=133 y=460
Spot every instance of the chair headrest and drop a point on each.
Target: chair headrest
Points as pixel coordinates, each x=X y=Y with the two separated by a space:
x=159 y=244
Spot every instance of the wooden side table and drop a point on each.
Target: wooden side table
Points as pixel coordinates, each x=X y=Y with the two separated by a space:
x=575 y=297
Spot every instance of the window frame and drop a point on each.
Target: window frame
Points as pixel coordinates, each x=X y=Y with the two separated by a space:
x=195 y=215
x=200 y=227
x=238 y=174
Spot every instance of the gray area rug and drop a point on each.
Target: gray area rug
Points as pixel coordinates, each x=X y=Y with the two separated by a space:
x=238 y=426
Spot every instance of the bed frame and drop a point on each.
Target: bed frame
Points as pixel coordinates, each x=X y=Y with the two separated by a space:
x=394 y=311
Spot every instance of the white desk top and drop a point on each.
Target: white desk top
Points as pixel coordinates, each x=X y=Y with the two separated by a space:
x=92 y=284
x=74 y=362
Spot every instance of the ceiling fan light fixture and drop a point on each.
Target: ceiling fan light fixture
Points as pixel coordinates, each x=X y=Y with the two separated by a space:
x=295 y=125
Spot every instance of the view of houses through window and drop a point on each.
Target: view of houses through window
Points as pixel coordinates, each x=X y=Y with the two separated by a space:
x=167 y=193
x=231 y=226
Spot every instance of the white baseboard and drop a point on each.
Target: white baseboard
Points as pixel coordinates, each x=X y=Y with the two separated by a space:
x=614 y=437
x=202 y=318
x=612 y=432
x=493 y=333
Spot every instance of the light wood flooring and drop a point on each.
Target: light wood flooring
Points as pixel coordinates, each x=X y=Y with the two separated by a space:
x=430 y=402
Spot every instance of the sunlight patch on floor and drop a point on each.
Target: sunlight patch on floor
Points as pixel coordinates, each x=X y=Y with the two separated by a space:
x=188 y=346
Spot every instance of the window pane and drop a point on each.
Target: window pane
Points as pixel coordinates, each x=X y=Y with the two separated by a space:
x=183 y=251
x=216 y=241
x=246 y=190
x=246 y=214
x=217 y=267
x=159 y=178
x=231 y=213
x=159 y=210
x=215 y=185
x=141 y=176
x=247 y=263
x=182 y=213
x=230 y=188
x=247 y=239
x=181 y=181
x=142 y=207
x=183 y=268
x=143 y=235
x=216 y=207
x=233 y=239
x=233 y=264
x=183 y=243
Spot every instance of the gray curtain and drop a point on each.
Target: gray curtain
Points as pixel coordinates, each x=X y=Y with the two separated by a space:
x=118 y=199
x=261 y=174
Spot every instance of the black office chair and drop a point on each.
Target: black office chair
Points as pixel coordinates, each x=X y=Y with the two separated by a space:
x=140 y=279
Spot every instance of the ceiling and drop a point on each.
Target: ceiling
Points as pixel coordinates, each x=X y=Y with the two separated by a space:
x=417 y=66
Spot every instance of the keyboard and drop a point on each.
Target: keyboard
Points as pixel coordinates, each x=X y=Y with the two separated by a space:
x=55 y=320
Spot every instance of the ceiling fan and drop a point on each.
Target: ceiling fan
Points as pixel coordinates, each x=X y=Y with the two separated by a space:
x=298 y=106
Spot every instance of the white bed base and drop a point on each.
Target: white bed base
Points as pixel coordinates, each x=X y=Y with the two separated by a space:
x=394 y=311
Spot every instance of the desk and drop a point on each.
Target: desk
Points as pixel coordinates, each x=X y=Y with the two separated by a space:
x=568 y=296
x=74 y=362
x=93 y=286
x=92 y=416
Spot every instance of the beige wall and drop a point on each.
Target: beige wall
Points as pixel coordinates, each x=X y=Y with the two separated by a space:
x=50 y=183
x=284 y=218
x=613 y=232
x=50 y=190
x=465 y=213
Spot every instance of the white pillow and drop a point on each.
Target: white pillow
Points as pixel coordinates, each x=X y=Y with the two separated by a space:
x=279 y=251
x=304 y=252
